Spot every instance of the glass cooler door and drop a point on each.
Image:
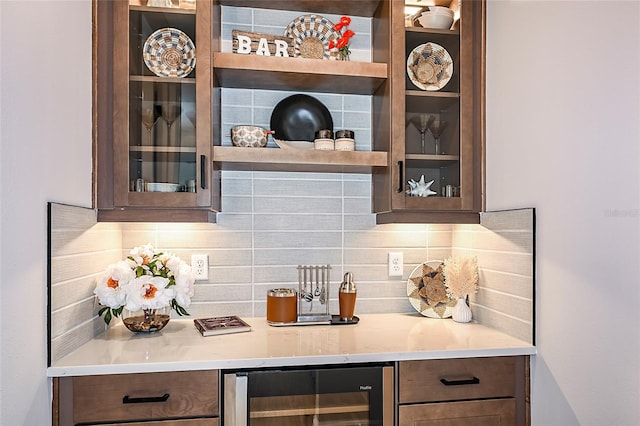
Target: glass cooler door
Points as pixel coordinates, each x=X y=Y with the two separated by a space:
x=329 y=396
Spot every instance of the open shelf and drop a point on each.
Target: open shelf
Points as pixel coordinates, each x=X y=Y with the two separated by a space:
x=365 y=8
x=296 y=160
x=315 y=75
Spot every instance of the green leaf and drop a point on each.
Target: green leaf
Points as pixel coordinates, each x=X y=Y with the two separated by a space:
x=107 y=317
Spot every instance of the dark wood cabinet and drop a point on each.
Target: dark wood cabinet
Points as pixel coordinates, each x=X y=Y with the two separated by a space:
x=173 y=398
x=457 y=166
x=154 y=128
x=478 y=391
x=151 y=129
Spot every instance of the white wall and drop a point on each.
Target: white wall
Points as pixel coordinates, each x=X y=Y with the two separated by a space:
x=563 y=114
x=45 y=143
x=563 y=136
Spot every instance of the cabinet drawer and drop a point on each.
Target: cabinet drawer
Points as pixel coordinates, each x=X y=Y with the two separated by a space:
x=183 y=422
x=493 y=412
x=145 y=396
x=456 y=379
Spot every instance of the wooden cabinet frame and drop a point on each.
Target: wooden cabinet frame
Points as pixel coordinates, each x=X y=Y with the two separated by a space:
x=389 y=199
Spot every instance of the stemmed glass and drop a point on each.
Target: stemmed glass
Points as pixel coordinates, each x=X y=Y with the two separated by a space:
x=436 y=127
x=149 y=119
x=170 y=111
x=422 y=122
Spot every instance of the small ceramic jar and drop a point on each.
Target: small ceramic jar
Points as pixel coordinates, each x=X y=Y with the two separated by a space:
x=345 y=140
x=324 y=140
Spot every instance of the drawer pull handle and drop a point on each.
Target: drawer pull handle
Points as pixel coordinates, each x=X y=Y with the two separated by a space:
x=127 y=400
x=473 y=381
x=400 y=176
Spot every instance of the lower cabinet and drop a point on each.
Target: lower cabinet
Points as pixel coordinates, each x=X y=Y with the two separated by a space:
x=492 y=391
x=459 y=392
x=149 y=399
x=491 y=412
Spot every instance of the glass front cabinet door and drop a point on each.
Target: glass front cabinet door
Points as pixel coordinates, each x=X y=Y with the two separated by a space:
x=162 y=97
x=437 y=130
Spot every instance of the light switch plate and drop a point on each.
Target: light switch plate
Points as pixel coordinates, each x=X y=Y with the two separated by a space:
x=200 y=266
x=396 y=265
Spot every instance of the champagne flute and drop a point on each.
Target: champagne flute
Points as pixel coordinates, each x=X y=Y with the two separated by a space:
x=422 y=123
x=436 y=127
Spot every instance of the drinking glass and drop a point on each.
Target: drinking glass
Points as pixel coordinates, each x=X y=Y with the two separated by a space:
x=436 y=127
x=422 y=123
x=149 y=119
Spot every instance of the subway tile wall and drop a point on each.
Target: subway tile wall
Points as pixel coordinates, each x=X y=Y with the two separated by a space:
x=259 y=247
x=79 y=250
x=504 y=245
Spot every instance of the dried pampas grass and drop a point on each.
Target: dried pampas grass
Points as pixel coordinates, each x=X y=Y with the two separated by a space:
x=461 y=276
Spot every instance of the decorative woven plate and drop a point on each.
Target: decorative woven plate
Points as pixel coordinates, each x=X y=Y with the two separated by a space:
x=311 y=35
x=426 y=291
x=429 y=66
x=169 y=52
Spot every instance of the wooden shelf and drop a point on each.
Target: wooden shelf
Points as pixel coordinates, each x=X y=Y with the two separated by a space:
x=421 y=101
x=296 y=160
x=154 y=79
x=168 y=149
x=162 y=9
x=317 y=75
x=304 y=405
x=365 y=8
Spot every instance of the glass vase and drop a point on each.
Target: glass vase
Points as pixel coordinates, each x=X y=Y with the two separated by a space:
x=146 y=320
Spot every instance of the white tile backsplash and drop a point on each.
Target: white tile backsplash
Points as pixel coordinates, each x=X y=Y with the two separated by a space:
x=252 y=252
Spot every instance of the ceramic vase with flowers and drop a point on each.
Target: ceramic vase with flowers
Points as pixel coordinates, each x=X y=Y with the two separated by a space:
x=461 y=280
x=144 y=288
x=342 y=44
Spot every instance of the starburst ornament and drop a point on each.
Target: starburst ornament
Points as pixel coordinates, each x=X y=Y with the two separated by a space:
x=420 y=189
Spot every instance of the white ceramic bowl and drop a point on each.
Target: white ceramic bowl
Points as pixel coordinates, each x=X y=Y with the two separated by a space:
x=162 y=187
x=434 y=20
x=441 y=10
x=293 y=144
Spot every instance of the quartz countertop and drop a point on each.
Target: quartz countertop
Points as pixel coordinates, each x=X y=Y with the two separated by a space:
x=376 y=338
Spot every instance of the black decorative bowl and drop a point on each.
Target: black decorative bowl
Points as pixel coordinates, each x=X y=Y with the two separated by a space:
x=299 y=117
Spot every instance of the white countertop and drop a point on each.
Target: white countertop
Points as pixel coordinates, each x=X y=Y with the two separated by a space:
x=377 y=337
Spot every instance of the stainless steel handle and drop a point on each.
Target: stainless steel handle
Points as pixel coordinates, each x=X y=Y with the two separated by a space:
x=235 y=399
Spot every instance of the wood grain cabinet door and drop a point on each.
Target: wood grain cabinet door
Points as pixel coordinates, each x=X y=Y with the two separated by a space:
x=496 y=412
x=145 y=396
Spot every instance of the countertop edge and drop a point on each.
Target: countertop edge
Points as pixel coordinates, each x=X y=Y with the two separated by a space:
x=377 y=338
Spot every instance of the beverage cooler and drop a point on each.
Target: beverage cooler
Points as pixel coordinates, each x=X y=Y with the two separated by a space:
x=339 y=396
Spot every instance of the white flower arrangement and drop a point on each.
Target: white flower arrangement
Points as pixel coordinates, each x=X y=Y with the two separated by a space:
x=146 y=280
x=460 y=276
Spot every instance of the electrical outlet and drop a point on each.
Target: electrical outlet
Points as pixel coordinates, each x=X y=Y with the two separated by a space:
x=395 y=264
x=200 y=266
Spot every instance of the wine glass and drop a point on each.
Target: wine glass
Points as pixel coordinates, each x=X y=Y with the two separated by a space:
x=149 y=119
x=422 y=123
x=170 y=111
x=436 y=127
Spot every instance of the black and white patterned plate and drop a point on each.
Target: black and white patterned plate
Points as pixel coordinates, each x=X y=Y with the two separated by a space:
x=311 y=35
x=169 y=52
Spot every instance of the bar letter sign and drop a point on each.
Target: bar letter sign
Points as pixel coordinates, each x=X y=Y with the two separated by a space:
x=247 y=43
